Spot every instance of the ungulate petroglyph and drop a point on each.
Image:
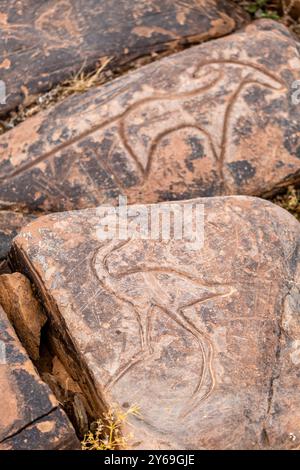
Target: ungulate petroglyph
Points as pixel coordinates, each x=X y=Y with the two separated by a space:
x=189 y=335
x=149 y=295
x=153 y=293
x=43 y=43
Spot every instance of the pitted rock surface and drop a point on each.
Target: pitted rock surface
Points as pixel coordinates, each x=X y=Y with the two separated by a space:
x=215 y=119
x=44 y=42
x=205 y=341
x=30 y=416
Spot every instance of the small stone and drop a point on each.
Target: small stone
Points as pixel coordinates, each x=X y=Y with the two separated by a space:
x=23 y=310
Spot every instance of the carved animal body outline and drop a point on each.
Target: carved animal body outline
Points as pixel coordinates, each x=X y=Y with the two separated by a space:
x=110 y=283
x=220 y=155
x=120 y=119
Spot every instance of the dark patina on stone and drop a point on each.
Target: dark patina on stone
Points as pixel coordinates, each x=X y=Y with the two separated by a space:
x=10 y=224
x=30 y=416
x=43 y=43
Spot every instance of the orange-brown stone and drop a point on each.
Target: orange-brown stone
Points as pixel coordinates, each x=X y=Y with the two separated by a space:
x=216 y=119
x=205 y=341
x=30 y=416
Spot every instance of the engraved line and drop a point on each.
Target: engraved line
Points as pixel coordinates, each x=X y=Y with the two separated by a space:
x=98 y=127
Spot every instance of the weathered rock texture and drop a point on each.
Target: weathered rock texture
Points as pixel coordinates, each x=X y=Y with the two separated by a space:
x=205 y=341
x=215 y=119
x=44 y=42
x=23 y=310
x=30 y=416
x=292 y=8
x=10 y=224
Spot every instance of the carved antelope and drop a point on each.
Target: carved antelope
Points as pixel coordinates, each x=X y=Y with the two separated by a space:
x=155 y=292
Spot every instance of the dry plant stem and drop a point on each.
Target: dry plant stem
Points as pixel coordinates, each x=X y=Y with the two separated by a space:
x=106 y=433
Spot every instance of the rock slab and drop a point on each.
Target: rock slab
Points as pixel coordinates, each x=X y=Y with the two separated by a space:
x=30 y=416
x=205 y=341
x=215 y=119
x=23 y=311
x=44 y=42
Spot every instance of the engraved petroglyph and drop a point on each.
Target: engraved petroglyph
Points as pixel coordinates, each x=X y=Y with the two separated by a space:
x=49 y=41
x=172 y=294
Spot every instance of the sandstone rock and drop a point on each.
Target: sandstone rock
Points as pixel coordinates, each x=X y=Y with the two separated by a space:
x=215 y=119
x=204 y=340
x=30 y=416
x=51 y=432
x=292 y=8
x=23 y=310
x=43 y=43
x=10 y=224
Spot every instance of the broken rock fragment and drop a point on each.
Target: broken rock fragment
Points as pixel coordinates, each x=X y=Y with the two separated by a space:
x=23 y=310
x=203 y=339
x=215 y=119
x=43 y=43
x=30 y=416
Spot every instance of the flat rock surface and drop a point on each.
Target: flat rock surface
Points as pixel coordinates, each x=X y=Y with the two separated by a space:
x=203 y=339
x=215 y=119
x=44 y=42
x=10 y=224
x=30 y=416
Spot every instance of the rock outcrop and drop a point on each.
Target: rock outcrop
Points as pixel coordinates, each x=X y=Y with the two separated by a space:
x=43 y=43
x=30 y=416
x=204 y=339
x=10 y=224
x=215 y=119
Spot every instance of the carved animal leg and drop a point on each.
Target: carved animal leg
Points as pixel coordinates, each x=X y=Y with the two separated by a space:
x=144 y=321
x=206 y=348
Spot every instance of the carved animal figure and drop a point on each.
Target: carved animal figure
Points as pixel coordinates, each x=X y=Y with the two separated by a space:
x=170 y=291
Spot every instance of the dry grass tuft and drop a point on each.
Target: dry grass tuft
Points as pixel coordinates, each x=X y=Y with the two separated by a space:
x=79 y=83
x=290 y=200
x=82 y=81
x=106 y=433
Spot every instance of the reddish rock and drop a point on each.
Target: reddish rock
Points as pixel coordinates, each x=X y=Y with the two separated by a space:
x=30 y=416
x=215 y=119
x=205 y=341
x=23 y=310
x=51 y=432
x=291 y=9
x=43 y=43
x=10 y=224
